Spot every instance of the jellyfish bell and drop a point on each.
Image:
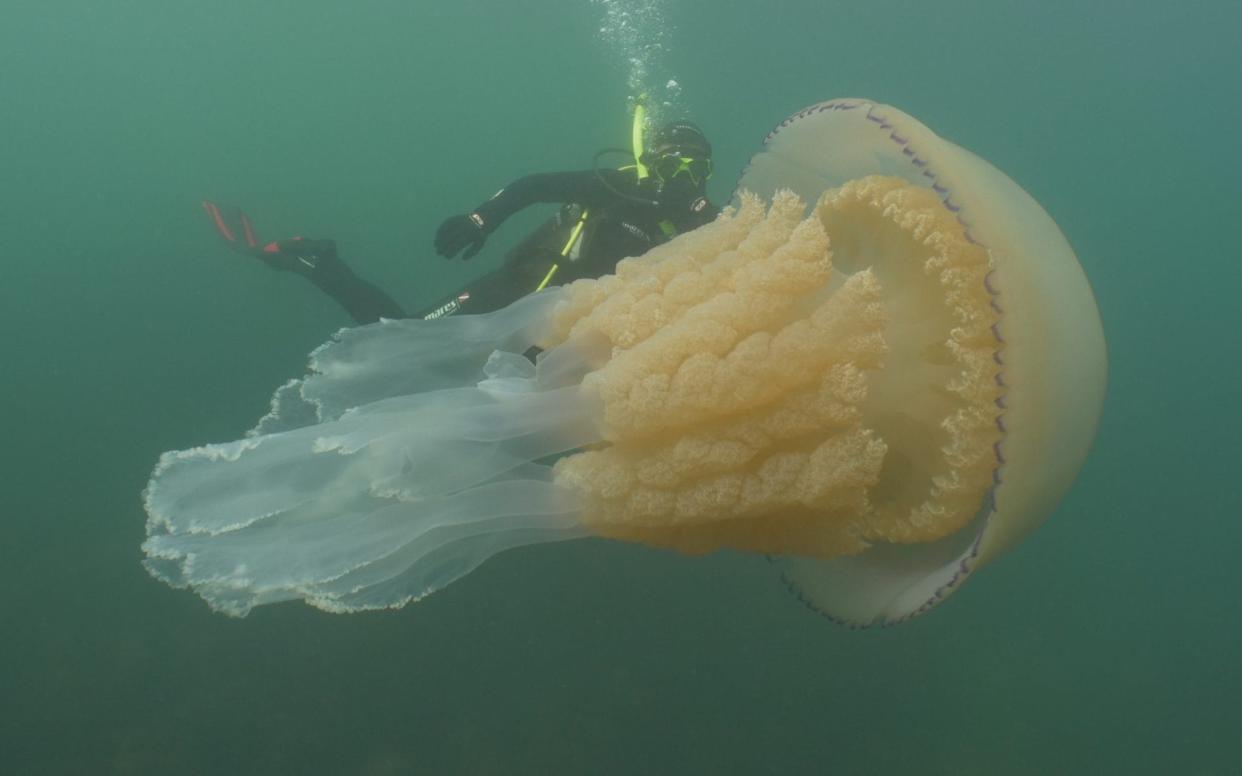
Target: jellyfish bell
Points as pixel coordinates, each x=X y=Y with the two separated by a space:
x=883 y=394
x=1048 y=350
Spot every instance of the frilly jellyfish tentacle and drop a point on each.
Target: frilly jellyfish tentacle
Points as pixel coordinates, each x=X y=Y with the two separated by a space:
x=371 y=363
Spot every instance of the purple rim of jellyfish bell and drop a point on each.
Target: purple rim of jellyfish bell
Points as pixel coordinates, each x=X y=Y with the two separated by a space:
x=945 y=195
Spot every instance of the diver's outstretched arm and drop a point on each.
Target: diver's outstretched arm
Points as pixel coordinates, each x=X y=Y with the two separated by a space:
x=315 y=260
x=526 y=269
x=466 y=233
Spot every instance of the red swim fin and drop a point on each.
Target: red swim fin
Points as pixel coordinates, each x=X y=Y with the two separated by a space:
x=217 y=220
x=248 y=229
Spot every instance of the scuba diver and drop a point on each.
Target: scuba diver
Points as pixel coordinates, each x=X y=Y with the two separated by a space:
x=606 y=215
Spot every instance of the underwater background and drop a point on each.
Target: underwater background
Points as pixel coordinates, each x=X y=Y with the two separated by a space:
x=1107 y=643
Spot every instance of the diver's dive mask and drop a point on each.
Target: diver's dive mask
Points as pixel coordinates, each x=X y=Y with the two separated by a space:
x=667 y=166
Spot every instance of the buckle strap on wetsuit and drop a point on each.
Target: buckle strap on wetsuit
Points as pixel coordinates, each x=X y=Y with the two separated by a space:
x=575 y=237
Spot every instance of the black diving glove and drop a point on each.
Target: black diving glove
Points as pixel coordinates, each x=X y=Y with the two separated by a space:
x=458 y=232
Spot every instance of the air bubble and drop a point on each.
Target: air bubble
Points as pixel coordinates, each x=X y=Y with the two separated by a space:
x=637 y=33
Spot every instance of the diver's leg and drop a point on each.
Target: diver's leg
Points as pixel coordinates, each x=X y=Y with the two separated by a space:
x=493 y=291
x=318 y=262
x=315 y=260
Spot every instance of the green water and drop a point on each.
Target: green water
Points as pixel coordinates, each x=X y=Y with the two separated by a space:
x=1108 y=643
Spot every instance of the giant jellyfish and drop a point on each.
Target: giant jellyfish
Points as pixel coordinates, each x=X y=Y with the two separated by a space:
x=881 y=367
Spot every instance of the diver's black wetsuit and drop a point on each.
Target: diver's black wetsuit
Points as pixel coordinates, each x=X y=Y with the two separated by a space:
x=318 y=262
x=617 y=226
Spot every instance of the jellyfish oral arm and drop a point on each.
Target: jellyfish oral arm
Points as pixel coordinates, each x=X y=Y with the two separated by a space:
x=381 y=503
